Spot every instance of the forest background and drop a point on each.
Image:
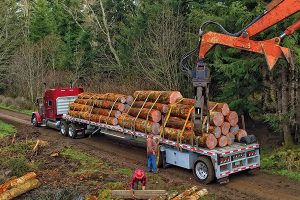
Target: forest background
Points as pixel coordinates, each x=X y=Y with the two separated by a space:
x=127 y=45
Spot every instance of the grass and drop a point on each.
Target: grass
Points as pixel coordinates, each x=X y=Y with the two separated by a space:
x=6 y=129
x=284 y=162
x=13 y=108
x=125 y=171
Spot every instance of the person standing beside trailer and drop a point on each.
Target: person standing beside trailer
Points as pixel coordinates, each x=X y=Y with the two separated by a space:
x=151 y=153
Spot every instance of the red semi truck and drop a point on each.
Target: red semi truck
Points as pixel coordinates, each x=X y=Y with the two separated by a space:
x=206 y=164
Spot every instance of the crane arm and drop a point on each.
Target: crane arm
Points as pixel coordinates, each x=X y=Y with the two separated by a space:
x=275 y=12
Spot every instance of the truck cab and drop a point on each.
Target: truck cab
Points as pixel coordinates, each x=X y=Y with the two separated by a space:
x=53 y=105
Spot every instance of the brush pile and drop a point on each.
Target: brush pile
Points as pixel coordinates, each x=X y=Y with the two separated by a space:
x=164 y=113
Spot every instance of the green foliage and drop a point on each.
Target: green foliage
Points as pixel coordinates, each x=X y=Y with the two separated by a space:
x=284 y=162
x=77 y=155
x=106 y=193
x=6 y=129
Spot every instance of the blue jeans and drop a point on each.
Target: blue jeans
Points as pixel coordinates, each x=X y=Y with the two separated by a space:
x=152 y=161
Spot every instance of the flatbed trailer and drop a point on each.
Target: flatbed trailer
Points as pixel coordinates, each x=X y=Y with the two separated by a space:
x=207 y=165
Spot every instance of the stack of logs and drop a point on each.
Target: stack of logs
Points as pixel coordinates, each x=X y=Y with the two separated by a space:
x=159 y=112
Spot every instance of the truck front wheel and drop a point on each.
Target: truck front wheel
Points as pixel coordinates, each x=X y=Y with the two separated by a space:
x=64 y=128
x=203 y=170
x=72 y=131
x=34 y=121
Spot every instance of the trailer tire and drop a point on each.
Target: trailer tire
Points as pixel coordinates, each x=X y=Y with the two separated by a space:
x=203 y=170
x=64 y=128
x=72 y=130
x=34 y=121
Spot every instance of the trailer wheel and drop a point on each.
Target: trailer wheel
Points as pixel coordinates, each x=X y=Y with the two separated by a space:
x=64 y=128
x=203 y=170
x=34 y=121
x=72 y=131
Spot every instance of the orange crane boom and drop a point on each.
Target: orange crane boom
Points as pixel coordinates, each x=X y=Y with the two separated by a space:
x=275 y=12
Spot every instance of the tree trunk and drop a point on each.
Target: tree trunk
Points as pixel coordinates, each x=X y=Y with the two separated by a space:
x=288 y=141
x=176 y=122
x=141 y=125
x=152 y=115
x=102 y=104
x=106 y=112
x=158 y=106
x=208 y=140
x=173 y=134
x=165 y=97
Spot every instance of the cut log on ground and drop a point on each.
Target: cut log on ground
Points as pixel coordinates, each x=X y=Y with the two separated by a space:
x=198 y=195
x=141 y=125
x=173 y=134
x=208 y=140
x=157 y=106
x=230 y=138
x=222 y=141
x=232 y=118
x=20 y=189
x=225 y=128
x=17 y=181
x=102 y=104
x=138 y=194
x=241 y=133
x=165 y=97
x=152 y=115
x=106 y=112
x=177 y=122
x=216 y=118
x=186 y=193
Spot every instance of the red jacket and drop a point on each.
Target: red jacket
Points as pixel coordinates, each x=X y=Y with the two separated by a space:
x=136 y=179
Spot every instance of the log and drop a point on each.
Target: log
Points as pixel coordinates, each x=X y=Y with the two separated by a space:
x=216 y=118
x=94 y=117
x=141 y=125
x=17 y=181
x=139 y=194
x=186 y=193
x=219 y=107
x=212 y=106
x=241 y=133
x=154 y=115
x=172 y=134
x=79 y=107
x=158 y=106
x=232 y=118
x=208 y=140
x=225 y=128
x=222 y=141
x=106 y=112
x=179 y=111
x=176 y=122
x=20 y=189
x=230 y=138
x=107 y=96
x=102 y=104
x=234 y=128
x=198 y=195
x=217 y=131
x=165 y=97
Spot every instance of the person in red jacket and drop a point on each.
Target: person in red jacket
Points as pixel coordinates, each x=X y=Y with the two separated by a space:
x=139 y=177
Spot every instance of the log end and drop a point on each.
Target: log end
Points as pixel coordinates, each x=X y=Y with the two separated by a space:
x=241 y=133
x=225 y=128
x=222 y=141
x=211 y=141
x=175 y=95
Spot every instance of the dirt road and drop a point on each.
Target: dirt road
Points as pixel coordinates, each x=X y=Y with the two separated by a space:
x=241 y=186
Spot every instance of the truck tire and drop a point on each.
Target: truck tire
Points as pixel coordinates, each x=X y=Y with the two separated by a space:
x=203 y=170
x=34 y=121
x=64 y=128
x=72 y=130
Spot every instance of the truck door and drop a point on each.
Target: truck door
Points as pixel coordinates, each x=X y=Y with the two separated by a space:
x=49 y=108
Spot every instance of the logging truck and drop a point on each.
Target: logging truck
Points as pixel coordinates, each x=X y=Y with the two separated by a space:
x=207 y=164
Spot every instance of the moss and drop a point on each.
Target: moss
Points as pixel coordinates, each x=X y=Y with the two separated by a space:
x=6 y=129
